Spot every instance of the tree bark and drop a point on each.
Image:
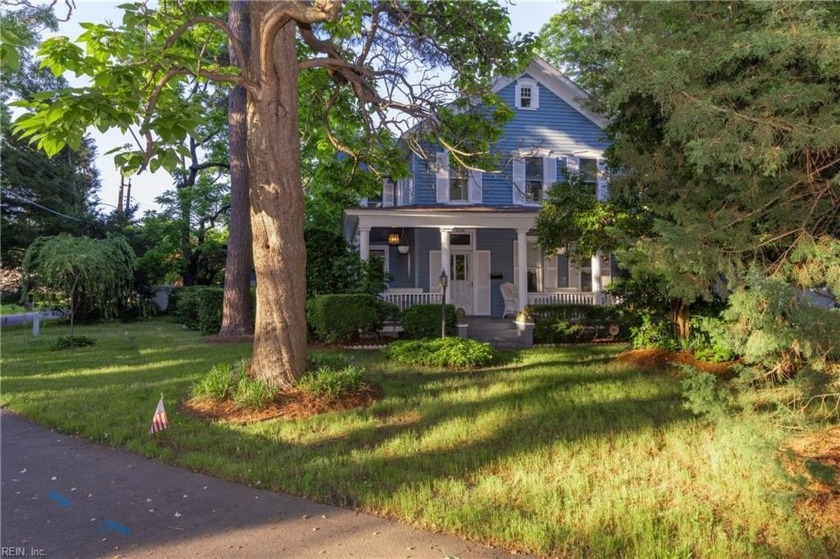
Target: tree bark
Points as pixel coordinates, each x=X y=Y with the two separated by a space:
x=681 y=319
x=277 y=206
x=236 y=309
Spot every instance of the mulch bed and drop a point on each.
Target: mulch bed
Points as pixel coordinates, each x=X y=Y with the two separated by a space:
x=660 y=359
x=291 y=404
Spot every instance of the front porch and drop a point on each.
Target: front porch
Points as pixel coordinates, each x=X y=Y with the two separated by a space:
x=408 y=297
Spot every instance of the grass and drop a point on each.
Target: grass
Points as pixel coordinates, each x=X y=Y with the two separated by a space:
x=11 y=308
x=557 y=453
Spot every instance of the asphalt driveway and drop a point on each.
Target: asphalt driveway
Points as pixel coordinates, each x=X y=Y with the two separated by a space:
x=63 y=497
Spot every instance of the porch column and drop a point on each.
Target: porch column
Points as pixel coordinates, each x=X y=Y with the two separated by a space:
x=596 y=278
x=445 y=260
x=522 y=263
x=364 y=243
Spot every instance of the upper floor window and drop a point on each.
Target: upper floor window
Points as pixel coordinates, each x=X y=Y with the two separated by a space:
x=533 y=178
x=527 y=94
x=525 y=97
x=458 y=184
x=589 y=173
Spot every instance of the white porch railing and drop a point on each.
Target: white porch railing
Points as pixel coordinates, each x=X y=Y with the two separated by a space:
x=405 y=300
x=570 y=298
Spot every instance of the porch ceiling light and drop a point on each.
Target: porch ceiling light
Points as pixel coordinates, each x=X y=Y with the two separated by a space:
x=393 y=238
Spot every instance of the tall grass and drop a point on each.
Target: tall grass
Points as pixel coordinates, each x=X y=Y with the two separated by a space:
x=560 y=453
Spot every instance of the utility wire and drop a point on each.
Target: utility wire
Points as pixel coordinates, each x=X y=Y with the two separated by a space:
x=37 y=205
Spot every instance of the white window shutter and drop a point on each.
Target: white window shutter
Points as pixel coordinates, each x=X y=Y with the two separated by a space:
x=518 y=182
x=517 y=96
x=434 y=271
x=387 y=193
x=442 y=178
x=549 y=172
x=603 y=180
x=550 y=269
x=535 y=96
x=574 y=276
x=475 y=186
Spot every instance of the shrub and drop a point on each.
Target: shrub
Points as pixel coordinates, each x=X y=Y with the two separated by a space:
x=332 y=381
x=184 y=301
x=232 y=383
x=73 y=342
x=704 y=394
x=576 y=323
x=652 y=331
x=335 y=318
x=708 y=339
x=441 y=352
x=210 y=301
x=423 y=321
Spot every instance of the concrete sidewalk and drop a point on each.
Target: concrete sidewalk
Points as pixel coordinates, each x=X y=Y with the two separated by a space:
x=63 y=497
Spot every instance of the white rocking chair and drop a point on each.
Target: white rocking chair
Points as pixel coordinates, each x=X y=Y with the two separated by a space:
x=511 y=297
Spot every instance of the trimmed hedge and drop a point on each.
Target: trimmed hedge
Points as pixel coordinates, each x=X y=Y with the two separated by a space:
x=423 y=321
x=200 y=308
x=453 y=352
x=576 y=323
x=339 y=317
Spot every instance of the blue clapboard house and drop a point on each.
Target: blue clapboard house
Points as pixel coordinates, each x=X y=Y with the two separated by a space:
x=477 y=227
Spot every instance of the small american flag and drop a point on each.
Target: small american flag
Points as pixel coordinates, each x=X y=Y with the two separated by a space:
x=159 y=421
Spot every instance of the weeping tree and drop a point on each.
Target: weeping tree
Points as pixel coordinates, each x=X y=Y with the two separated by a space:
x=79 y=273
x=370 y=70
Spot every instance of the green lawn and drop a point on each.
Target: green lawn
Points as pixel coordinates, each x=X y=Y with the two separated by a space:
x=558 y=453
x=10 y=308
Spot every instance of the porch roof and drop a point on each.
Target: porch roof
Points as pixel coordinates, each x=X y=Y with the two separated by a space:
x=436 y=216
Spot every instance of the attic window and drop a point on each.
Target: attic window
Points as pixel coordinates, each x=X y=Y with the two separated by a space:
x=525 y=97
x=527 y=94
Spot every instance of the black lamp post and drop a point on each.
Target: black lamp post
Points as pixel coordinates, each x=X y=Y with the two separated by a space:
x=443 y=281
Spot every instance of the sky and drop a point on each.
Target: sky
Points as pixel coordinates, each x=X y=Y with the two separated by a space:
x=526 y=16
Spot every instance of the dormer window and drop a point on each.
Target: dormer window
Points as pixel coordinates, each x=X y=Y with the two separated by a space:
x=527 y=94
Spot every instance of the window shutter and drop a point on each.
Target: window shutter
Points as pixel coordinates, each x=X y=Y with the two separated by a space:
x=442 y=178
x=550 y=268
x=603 y=180
x=517 y=96
x=434 y=271
x=475 y=186
x=387 y=193
x=518 y=181
x=574 y=276
x=535 y=96
x=549 y=172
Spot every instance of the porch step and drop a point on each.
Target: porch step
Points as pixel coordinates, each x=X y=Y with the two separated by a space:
x=500 y=333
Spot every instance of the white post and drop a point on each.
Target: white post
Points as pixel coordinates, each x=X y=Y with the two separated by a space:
x=445 y=263
x=522 y=262
x=596 y=278
x=364 y=243
x=36 y=324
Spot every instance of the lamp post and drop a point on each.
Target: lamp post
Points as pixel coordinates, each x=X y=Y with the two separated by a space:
x=443 y=281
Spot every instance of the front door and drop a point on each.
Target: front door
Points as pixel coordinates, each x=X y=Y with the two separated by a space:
x=461 y=287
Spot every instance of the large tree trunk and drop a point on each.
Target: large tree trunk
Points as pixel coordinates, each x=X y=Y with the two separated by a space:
x=236 y=310
x=680 y=317
x=277 y=207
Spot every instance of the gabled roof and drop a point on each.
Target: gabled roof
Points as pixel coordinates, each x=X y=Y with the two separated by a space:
x=557 y=83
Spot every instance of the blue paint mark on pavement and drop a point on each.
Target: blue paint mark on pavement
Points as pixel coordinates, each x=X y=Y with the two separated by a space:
x=62 y=501
x=113 y=526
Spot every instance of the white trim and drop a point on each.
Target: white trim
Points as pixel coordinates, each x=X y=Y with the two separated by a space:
x=534 y=87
